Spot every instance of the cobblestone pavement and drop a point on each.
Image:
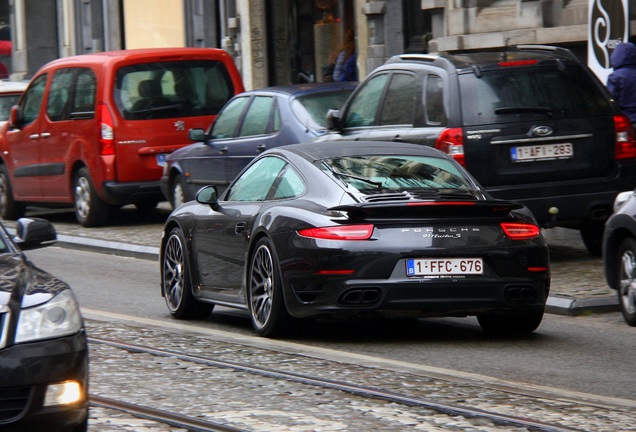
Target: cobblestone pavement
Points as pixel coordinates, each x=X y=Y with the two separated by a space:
x=259 y=403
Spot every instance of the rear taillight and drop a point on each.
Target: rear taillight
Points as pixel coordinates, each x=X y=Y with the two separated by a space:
x=107 y=136
x=520 y=231
x=341 y=232
x=625 y=142
x=451 y=141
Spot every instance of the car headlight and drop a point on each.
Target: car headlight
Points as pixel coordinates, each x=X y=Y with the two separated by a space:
x=58 y=317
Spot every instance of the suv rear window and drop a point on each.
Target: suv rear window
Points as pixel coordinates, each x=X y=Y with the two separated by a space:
x=172 y=89
x=532 y=92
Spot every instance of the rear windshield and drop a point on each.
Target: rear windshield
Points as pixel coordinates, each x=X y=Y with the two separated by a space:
x=172 y=89
x=514 y=94
x=311 y=110
x=397 y=173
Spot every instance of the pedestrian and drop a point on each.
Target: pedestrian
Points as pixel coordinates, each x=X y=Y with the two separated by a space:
x=345 y=68
x=622 y=81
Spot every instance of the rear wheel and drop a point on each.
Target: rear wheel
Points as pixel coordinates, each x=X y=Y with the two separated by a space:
x=265 y=293
x=9 y=209
x=175 y=280
x=90 y=210
x=627 y=280
x=519 y=323
x=592 y=235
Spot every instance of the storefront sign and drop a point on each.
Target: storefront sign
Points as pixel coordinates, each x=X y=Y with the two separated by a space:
x=608 y=26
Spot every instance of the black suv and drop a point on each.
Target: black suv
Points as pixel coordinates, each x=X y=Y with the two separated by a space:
x=531 y=123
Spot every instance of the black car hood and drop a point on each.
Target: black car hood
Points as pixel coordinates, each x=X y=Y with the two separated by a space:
x=24 y=283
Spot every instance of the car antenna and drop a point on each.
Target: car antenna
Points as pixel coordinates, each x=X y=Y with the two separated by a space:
x=504 y=53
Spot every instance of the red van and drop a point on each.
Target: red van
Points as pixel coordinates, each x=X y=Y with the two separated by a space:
x=93 y=130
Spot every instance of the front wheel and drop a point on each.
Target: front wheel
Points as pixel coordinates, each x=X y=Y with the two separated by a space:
x=627 y=280
x=519 y=323
x=265 y=293
x=175 y=280
x=90 y=210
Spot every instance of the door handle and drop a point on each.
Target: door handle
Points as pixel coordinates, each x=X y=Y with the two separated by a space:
x=223 y=149
x=261 y=148
x=34 y=136
x=45 y=134
x=239 y=227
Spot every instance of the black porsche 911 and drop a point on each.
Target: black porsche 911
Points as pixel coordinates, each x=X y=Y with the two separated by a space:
x=319 y=229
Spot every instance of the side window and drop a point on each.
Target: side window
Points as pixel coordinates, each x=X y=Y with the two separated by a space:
x=259 y=114
x=363 y=107
x=434 y=101
x=255 y=183
x=59 y=95
x=289 y=185
x=32 y=101
x=84 y=94
x=225 y=124
x=399 y=103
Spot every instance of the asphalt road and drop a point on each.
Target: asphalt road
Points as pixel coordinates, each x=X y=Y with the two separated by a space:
x=592 y=354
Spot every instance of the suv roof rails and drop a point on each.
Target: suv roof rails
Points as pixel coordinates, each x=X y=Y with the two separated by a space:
x=432 y=59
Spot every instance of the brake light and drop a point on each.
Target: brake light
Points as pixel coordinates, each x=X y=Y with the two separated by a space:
x=107 y=135
x=341 y=232
x=520 y=231
x=518 y=63
x=625 y=142
x=451 y=141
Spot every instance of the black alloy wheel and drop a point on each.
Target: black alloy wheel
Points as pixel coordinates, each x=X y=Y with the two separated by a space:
x=265 y=294
x=175 y=280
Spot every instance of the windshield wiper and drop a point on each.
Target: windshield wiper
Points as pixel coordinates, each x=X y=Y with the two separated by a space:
x=355 y=177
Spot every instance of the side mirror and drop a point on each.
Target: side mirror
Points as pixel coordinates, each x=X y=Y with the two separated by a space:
x=14 y=121
x=33 y=233
x=197 y=135
x=208 y=195
x=333 y=120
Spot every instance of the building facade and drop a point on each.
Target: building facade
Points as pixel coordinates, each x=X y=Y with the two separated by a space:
x=289 y=41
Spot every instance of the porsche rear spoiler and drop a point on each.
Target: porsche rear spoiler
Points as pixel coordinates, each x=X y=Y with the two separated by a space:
x=429 y=208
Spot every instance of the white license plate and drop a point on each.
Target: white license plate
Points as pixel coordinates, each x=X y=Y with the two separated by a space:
x=541 y=152
x=444 y=266
x=161 y=159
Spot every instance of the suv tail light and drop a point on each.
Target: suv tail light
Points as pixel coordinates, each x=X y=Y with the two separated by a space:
x=625 y=142
x=451 y=141
x=106 y=137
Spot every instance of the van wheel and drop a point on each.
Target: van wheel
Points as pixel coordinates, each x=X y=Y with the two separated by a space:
x=9 y=209
x=90 y=210
x=592 y=235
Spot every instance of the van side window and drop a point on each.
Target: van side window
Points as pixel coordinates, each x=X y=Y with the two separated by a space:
x=162 y=90
x=399 y=103
x=32 y=100
x=59 y=95
x=84 y=95
x=434 y=101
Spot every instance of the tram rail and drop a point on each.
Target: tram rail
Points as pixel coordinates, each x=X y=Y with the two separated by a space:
x=499 y=419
